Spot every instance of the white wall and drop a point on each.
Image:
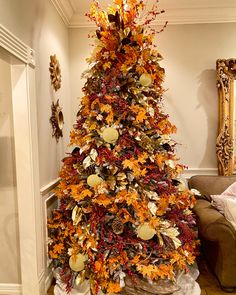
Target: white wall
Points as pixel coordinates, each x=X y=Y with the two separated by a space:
x=38 y=25
x=190 y=53
x=52 y=39
x=9 y=241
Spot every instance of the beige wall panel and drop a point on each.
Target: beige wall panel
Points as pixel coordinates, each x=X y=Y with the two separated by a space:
x=190 y=53
x=9 y=241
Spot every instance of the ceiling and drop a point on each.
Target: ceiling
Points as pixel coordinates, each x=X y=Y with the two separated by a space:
x=176 y=11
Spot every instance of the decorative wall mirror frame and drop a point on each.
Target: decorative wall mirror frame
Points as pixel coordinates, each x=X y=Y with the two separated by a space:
x=226 y=74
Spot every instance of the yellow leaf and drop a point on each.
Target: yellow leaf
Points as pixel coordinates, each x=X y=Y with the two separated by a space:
x=142 y=158
x=93 y=126
x=106 y=65
x=128 y=164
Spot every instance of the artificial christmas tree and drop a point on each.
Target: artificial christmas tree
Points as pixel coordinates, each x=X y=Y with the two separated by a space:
x=125 y=220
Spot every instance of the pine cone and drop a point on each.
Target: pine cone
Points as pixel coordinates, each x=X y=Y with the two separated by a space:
x=90 y=170
x=117 y=226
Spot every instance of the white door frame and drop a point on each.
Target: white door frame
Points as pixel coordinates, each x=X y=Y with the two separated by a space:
x=27 y=162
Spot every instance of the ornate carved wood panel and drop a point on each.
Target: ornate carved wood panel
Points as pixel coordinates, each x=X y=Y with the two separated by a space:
x=226 y=74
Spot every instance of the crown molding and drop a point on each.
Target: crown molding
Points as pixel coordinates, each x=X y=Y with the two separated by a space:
x=65 y=8
x=190 y=13
x=196 y=15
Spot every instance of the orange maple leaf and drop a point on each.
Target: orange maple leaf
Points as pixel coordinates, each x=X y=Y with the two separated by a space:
x=154 y=272
x=58 y=248
x=107 y=109
x=103 y=200
x=78 y=192
x=135 y=166
x=140 y=113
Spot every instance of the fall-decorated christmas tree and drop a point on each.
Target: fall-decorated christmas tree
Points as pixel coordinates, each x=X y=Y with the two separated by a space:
x=124 y=215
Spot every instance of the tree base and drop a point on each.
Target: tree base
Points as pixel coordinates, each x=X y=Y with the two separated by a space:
x=142 y=286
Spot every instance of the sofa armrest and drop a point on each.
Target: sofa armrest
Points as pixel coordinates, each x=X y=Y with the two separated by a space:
x=212 y=224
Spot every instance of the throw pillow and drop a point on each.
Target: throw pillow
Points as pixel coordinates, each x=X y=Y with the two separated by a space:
x=226 y=205
x=230 y=211
x=218 y=201
x=230 y=191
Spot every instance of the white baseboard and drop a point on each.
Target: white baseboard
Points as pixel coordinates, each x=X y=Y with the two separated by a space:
x=10 y=289
x=199 y=171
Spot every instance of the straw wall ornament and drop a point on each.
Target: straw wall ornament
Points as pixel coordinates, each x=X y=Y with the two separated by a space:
x=57 y=120
x=55 y=72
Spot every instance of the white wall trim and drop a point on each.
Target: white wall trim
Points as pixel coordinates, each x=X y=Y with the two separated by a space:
x=16 y=47
x=48 y=197
x=10 y=289
x=48 y=281
x=49 y=187
x=199 y=171
x=45 y=280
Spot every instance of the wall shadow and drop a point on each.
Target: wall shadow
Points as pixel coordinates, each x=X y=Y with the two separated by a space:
x=208 y=100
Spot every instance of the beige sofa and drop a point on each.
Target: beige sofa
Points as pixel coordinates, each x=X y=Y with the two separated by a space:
x=218 y=236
